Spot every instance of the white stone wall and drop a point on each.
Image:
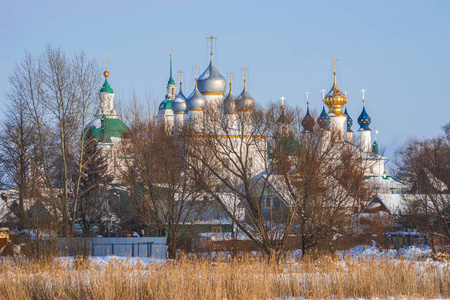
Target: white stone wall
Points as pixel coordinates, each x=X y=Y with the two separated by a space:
x=338 y=126
x=365 y=140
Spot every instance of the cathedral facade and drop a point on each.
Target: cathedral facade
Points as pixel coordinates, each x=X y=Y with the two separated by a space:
x=198 y=111
x=177 y=110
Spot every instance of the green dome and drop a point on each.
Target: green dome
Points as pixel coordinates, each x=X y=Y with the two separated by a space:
x=283 y=119
x=109 y=128
x=171 y=81
x=288 y=146
x=166 y=104
x=106 y=88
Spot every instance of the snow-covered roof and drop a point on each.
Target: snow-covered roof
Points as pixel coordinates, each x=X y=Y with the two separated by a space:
x=214 y=214
x=4 y=211
x=224 y=236
x=336 y=190
x=385 y=183
x=394 y=203
x=278 y=183
x=436 y=182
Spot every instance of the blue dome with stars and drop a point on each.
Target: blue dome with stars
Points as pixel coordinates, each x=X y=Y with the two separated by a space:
x=349 y=121
x=364 y=120
x=324 y=120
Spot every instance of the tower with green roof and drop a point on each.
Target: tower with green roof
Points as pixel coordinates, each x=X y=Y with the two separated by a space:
x=165 y=112
x=106 y=127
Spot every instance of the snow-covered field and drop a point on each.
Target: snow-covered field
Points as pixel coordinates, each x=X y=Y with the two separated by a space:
x=410 y=253
x=364 y=272
x=100 y=261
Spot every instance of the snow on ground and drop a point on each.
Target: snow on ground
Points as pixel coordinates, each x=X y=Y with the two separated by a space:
x=410 y=253
x=105 y=260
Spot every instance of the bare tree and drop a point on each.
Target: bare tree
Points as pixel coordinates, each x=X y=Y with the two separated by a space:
x=163 y=194
x=425 y=165
x=234 y=151
x=68 y=93
x=17 y=138
x=289 y=182
x=87 y=77
x=53 y=97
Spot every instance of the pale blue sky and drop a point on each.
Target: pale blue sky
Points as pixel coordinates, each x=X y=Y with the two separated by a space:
x=399 y=51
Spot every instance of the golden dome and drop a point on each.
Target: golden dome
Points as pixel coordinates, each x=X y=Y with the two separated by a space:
x=335 y=100
x=106 y=74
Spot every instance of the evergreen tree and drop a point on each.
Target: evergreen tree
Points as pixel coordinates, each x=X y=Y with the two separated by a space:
x=93 y=205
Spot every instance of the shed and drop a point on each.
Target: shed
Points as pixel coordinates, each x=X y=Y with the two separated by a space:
x=4 y=236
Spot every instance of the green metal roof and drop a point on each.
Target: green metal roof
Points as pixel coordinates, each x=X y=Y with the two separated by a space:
x=110 y=127
x=166 y=104
x=283 y=119
x=171 y=81
x=106 y=88
x=375 y=147
x=288 y=146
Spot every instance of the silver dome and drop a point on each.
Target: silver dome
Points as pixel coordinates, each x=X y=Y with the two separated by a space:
x=195 y=100
x=179 y=104
x=245 y=101
x=211 y=81
x=230 y=104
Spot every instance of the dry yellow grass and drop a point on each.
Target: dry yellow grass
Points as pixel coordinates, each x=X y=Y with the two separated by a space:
x=248 y=278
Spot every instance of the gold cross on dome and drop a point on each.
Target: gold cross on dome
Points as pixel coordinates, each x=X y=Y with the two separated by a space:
x=230 y=73
x=307 y=96
x=323 y=93
x=334 y=63
x=363 y=92
x=244 y=69
x=282 y=101
x=181 y=74
x=364 y=100
x=211 y=38
x=106 y=61
x=181 y=84
x=195 y=67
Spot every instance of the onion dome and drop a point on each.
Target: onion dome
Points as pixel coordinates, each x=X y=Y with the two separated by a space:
x=230 y=101
x=211 y=82
x=179 y=104
x=195 y=101
x=245 y=101
x=230 y=104
x=335 y=99
x=324 y=120
x=364 y=120
x=349 y=121
x=283 y=119
x=105 y=129
x=308 y=121
x=106 y=88
x=166 y=104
